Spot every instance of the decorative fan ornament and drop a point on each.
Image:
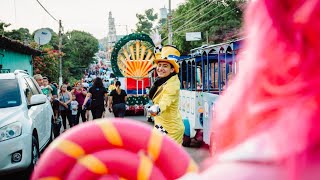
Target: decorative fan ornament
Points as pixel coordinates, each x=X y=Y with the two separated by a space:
x=137 y=60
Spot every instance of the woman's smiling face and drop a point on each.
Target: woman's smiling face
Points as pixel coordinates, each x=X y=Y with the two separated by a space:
x=164 y=69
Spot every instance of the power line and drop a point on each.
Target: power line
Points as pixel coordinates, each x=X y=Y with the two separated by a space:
x=190 y=21
x=205 y=23
x=188 y=11
x=195 y=11
x=46 y=10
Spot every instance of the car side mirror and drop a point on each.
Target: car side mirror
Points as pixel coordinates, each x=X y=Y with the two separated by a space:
x=38 y=99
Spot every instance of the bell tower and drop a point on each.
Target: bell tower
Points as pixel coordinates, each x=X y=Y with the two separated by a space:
x=112 y=35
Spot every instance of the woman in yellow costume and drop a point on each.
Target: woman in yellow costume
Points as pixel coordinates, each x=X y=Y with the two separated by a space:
x=165 y=94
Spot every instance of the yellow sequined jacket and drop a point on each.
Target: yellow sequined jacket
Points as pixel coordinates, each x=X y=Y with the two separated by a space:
x=169 y=119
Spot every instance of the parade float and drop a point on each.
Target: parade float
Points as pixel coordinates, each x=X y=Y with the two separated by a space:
x=131 y=60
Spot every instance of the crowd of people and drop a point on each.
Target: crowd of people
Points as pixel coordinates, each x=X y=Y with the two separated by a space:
x=69 y=103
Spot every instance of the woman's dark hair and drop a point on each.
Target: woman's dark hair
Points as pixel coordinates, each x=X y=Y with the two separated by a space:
x=171 y=66
x=54 y=83
x=118 y=83
x=98 y=82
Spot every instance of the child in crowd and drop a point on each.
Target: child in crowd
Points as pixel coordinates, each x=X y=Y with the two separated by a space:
x=74 y=109
x=46 y=88
x=87 y=108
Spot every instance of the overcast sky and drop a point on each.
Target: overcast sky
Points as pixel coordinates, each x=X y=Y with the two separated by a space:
x=86 y=15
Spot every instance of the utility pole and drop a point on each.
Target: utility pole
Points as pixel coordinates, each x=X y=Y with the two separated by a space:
x=60 y=56
x=170 y=36
x=207 y=33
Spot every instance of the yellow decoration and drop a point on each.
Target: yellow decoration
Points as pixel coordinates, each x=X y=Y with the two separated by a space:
x=145 y=168
x=138 y=63
x=110 y=132
x=68 y=147
x=93 y=164
x=155 y=144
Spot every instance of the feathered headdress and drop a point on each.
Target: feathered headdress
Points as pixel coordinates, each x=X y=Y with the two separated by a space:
x=156 y=38
x=167 y=53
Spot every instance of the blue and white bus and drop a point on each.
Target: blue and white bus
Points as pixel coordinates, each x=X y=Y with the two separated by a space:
x=204 y=74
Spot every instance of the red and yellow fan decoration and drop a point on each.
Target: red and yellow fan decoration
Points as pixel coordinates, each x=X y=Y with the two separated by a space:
x=137 y=62
x=132 y=56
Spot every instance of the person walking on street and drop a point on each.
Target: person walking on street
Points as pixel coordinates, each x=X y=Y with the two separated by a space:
x=165 y=95
x=74 y=109
x=55 y=107
x=98 y=94
x=65 y=98
x=117 y=101
x=80 y=94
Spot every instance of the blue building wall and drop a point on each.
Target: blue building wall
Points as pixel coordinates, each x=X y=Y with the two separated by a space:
x=13 y=61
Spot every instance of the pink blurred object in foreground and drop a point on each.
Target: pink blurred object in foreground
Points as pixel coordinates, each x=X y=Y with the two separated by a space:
x=267 y=124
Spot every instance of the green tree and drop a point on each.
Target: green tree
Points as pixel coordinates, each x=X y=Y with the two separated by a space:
x=221 y=20
x=48 y=63
x=79 y=48
x=146 y=21
x=22 y=34
x=2 y=26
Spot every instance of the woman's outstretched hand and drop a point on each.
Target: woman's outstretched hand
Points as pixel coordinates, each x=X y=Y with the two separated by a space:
x=154 y=110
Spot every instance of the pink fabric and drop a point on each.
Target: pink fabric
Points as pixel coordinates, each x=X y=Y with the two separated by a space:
x=251 y=171
x=266 y=125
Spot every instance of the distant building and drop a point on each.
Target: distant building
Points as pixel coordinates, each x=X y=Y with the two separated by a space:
x=15 y=55
x=163 y=13
x=112 y=36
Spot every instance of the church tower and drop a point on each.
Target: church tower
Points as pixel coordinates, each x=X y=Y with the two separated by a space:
x=112 y=35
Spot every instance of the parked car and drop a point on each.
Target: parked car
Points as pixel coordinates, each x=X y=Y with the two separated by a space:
x=25 y=122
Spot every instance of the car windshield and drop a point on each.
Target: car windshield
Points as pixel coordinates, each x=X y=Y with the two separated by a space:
x=9 y=93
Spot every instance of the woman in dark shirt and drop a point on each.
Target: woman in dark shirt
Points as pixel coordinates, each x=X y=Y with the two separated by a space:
x=98 y=94
x=118 y=98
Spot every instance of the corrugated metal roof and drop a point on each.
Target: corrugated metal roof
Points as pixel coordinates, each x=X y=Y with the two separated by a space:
x=16 y=46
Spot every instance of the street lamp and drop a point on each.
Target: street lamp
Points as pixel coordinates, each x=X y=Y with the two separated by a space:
x=60 y=55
